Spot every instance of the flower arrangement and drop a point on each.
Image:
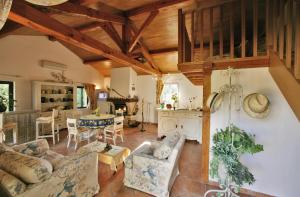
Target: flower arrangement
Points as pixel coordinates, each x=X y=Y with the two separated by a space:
x=175 y=100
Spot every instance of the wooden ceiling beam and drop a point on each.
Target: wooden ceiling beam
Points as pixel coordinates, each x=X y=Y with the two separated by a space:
x=107 y=27
x=246 y=62
x=152 y=7
x=138 y=34
x=8 y=28
x=89 y=27
x=77 y=9
x=33 y=18
x=151 y=52
x=143 y=47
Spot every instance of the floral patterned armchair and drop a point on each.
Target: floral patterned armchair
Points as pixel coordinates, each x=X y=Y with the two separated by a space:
x=24 y=174
x=153 y=167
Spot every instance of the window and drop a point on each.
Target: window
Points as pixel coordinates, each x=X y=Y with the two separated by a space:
x=7 y=91
x=168 y=91
x=82 y=99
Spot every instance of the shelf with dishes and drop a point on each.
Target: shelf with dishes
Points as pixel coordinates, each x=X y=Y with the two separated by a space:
x=51 y=95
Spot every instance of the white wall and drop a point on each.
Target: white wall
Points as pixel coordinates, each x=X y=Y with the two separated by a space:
x=186 y=90
x=146 y=88
x=276 y=169
x=21 y=55
x=122 y=80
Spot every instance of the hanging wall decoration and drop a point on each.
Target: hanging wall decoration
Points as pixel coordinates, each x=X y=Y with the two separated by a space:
x=5 y=6
x=46 y=2
x=231 y=143
x=256 y=105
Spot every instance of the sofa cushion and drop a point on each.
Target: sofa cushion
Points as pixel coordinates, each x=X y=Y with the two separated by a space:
x=53 y=157
x=29 y=169
x=10 y=185
x=164 y=150
x=35 y=148
x=171 y=139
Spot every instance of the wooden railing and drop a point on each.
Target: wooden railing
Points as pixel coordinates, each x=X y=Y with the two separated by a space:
x=241 y=29
x=284 y=34
x=227 y=30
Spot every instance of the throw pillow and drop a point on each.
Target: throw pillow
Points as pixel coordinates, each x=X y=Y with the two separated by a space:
x=28 y=169
x=162 y=152
x=35 y=148
x=10 y=185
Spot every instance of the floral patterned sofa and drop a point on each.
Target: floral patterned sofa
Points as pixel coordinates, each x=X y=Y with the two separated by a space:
x=31 y=169
x=153 y=166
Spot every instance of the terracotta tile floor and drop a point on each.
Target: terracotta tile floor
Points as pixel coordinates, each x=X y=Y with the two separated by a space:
x=187 y=184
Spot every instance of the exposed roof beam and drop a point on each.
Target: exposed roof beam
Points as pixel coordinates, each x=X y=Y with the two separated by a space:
x=153 y=6
x=88 y=12
x=112 y=32
x=30 y=17
x=89 y=27
x=8 y=28
x=246 y=62
x=144 y=48
x=211 y=3
x=87 y=2
x=138 y=34
x=151 y=52
x=107 y=27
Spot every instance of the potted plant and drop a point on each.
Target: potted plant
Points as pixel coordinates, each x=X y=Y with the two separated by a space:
x=3 y=104
x=229 y=145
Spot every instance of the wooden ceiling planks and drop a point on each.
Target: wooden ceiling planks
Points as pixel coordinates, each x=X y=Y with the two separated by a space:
x=76 y=16
x=153 y=7
x=30 y=17
x=138 y=34
x=89 y=12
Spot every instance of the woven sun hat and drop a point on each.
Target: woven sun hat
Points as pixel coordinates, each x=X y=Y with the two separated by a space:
x=256 y=105
x=46 y=2
x=5 y=6
x=214 y=101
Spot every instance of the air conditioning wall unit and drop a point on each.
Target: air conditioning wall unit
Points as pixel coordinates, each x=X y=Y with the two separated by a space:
x=53 y=65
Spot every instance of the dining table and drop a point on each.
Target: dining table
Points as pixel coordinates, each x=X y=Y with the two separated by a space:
x=94 y=121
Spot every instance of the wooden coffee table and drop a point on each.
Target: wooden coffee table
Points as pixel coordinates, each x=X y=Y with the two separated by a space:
x=113 y=157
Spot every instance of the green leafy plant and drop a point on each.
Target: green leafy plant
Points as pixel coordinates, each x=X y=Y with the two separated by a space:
x=229 y=145
x=3 y=101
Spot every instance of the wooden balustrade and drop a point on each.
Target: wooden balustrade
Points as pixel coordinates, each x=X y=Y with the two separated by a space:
x=242 y=29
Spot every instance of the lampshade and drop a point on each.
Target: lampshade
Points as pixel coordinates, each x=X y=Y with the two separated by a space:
x=46 y=2
x=5 y=6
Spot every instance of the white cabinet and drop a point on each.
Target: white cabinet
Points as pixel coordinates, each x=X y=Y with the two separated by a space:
x=189 y=123
x=168 y=124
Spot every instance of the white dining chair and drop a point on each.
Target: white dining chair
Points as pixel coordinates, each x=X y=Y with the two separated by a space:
x=2 y=134
x=78 y=133
x=55 y=122
x=115 y=130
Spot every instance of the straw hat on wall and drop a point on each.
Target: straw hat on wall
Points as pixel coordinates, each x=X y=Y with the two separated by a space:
x=46 y=2
x=5 y=6
x=214 y=101
x=256 y=105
